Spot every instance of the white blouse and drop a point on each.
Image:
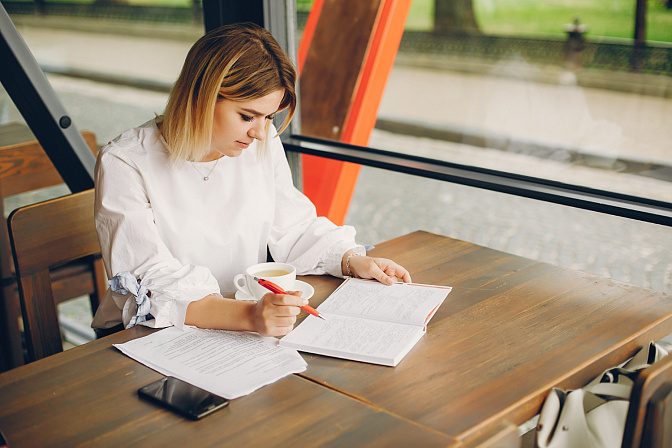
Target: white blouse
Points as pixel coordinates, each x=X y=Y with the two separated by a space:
x=184 y=237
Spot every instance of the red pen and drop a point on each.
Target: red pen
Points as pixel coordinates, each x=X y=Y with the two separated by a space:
x=278 y=290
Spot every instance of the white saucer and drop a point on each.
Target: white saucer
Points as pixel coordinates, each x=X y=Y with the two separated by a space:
x=304 y=287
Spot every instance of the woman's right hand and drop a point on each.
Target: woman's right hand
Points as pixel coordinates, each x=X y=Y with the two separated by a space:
x=275 y=314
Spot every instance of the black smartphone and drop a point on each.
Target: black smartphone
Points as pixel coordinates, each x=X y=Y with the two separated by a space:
x=181 y=397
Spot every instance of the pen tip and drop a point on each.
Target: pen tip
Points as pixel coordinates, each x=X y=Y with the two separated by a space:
x=322 y=317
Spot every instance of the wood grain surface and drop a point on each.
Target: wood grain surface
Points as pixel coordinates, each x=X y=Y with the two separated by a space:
x=511 y=329
x=87 y=396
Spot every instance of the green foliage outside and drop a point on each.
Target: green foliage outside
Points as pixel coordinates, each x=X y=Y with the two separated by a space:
x=604 y=18
x=608 y=18
x=304 y=5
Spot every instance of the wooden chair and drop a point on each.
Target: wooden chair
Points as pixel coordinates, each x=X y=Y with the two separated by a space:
x=45 y=236
x=24 y=167
x=649 y=420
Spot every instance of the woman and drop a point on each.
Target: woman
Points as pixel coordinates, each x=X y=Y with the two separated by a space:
x=188 y=200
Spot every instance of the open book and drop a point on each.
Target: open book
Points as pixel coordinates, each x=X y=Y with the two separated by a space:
x=368 y=321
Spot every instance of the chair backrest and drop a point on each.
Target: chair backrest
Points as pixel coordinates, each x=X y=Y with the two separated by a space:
x=24 y=167
x=649 y=420
x=43 y=236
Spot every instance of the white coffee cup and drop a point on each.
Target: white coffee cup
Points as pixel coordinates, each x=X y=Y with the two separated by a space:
x=282 y=274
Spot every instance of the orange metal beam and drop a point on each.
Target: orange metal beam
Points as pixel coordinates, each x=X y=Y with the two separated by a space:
x=330 y=184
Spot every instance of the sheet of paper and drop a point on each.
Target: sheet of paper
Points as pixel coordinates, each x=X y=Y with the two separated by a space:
x=401 y=302
x=354 y=338
x=227 y=363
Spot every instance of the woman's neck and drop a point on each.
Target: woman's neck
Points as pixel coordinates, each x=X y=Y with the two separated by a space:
x=211 y=156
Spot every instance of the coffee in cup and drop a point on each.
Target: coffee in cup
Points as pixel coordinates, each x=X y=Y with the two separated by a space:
x=282 y=274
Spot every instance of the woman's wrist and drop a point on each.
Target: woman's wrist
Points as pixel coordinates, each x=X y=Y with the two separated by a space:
x=346 y=266
x=347 y=263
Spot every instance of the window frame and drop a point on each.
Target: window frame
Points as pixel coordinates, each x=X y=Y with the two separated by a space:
x=612 y=203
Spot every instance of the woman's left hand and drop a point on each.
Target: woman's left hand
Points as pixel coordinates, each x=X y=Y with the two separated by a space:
x=384 y=270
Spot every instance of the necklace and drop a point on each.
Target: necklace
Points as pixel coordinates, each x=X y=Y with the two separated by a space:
x=206 y=177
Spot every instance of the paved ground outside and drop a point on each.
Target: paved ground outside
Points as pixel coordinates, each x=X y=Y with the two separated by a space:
x=612 y=125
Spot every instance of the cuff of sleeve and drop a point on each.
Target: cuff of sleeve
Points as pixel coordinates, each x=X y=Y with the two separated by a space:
x=178 y=313
x=172 y=296
x=172 y=315
x=334 y=257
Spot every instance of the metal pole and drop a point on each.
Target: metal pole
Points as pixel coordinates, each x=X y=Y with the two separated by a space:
x=280 y=20
x=32 y=94
x=640 y=22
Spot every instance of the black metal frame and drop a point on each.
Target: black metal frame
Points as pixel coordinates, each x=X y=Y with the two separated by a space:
x=217 y=13
x=617 y=204
x=32 y=94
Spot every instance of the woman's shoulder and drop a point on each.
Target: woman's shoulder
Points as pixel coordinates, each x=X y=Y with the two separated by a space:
x=137 y=142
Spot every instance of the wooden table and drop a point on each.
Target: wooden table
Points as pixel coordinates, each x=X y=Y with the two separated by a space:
x=511 y=329
x=87 y=396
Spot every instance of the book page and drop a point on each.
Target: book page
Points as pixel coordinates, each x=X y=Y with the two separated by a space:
x=226 y=363
x=354 y=338
x=408 y=303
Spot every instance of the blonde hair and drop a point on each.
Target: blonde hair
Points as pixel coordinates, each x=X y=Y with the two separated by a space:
x=238 y=62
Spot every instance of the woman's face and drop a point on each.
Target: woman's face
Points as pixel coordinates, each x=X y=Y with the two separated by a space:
x=238 y=123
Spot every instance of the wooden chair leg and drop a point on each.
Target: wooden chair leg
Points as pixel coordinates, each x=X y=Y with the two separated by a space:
x=10 y=332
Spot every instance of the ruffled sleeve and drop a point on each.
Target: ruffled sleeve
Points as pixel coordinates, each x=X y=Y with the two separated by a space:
x=314 y=245
x=130 y=243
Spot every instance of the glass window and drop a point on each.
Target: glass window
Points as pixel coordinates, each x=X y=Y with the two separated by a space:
x=553 y=90
x=549 y=89
x=112 y=66
x=519 y=87
x=623 y=249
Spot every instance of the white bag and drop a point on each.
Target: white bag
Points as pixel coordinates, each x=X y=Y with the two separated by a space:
x=593 y=416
